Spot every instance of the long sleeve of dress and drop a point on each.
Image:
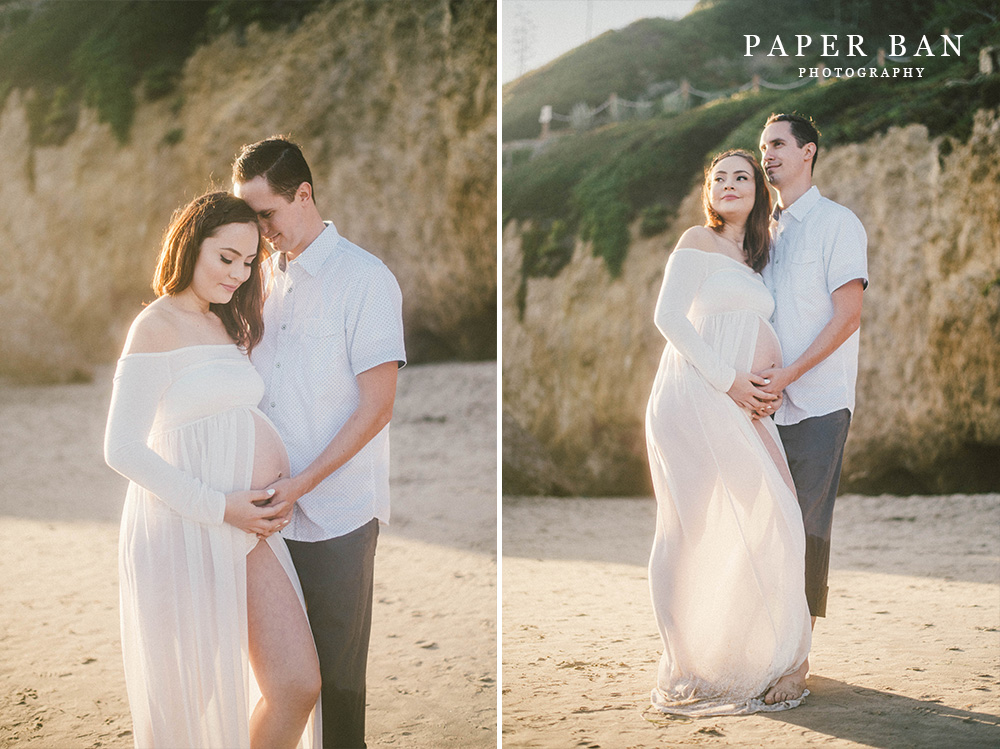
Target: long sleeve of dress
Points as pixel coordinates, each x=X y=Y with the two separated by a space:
x=684 y=275
x=139 y=382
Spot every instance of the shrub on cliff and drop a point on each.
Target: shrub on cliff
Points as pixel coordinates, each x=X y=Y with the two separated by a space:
x=97 y=52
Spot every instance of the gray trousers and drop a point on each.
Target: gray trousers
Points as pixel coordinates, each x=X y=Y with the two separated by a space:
x=815 y=450
x=337 y=582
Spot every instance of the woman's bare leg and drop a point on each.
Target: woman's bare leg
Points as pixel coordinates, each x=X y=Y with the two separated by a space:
x=281 y=652
x=772 y=449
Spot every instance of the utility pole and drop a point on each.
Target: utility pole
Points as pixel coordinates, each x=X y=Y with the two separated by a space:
x=523 y=35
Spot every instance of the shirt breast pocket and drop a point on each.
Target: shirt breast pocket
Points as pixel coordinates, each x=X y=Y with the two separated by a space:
x=807 y=280
x=324 y=344
x=806 y=267
x=803 y=257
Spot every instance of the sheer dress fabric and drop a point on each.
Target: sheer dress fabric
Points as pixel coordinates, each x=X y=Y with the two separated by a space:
x=182 y=428
x=726 y=572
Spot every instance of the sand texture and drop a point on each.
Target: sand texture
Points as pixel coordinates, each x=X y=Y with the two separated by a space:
x=908 y=656
x=432 y=664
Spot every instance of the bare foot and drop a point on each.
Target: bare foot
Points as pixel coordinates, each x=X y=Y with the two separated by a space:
x=788 y=687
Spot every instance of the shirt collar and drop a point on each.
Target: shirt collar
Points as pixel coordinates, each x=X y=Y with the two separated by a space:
x=314 y=256
x=804 y=204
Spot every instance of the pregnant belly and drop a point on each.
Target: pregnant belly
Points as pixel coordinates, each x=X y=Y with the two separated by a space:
x=270 y=460
x=767 y=354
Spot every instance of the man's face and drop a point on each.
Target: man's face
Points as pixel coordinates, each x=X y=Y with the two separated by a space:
x=783 y=160
x=282 y=221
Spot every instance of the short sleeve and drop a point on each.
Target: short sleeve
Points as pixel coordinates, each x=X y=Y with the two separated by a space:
x=374 y=324
x=139 y=383
x=846 y=252
x=685 y=272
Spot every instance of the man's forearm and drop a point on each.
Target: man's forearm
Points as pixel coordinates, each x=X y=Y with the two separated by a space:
x=846 y=319
x=358 y=431
x=830 y=338
x=374 y=411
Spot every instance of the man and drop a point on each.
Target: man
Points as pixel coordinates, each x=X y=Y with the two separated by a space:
x=333 y=342
x=817 y=272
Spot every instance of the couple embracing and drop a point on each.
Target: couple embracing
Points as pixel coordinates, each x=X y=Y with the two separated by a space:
x=253 y=396
x=746 y=426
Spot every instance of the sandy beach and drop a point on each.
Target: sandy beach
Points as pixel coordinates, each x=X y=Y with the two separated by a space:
x=909 y=655
x=432 y=664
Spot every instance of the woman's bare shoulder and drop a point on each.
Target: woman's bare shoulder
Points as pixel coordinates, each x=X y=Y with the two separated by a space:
x=698 y=238
x=154 y=330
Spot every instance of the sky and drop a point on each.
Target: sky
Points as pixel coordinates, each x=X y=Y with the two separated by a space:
x=534 y=32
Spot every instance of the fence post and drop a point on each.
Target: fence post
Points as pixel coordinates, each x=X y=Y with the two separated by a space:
x=988 y=60
x=824 y=72
x=614 y=108
x=546 y=119
x=580 y=116
x=685 y=93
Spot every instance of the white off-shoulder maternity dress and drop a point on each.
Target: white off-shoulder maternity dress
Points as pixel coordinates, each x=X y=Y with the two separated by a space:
x=726 y=572
x=185 y=429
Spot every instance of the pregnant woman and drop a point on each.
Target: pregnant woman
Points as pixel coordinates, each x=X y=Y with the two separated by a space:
x=726 y=572
x=216 y=643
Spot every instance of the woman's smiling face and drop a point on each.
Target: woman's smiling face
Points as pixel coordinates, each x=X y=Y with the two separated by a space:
x=732 y=186
x=224 y=262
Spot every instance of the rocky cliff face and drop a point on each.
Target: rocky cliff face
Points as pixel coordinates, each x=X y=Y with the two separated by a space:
x=394 y=105
x=578 y=368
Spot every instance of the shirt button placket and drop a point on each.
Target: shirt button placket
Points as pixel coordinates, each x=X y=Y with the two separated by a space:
x=284 y=341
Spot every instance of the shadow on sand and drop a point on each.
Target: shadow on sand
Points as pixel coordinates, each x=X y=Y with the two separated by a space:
x=874 y=718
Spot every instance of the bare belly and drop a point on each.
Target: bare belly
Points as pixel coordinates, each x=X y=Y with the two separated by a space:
x=768 y=351
x=270 y=459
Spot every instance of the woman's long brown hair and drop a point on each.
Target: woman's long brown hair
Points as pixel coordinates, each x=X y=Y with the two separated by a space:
x=243 y=315
x=757 y=239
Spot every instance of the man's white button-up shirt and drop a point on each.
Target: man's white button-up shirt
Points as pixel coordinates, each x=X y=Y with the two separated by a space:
x=817 y=246
x=330 y=314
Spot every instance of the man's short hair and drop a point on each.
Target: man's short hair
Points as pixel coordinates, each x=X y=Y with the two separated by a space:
x=276 y=159
x=804 y=131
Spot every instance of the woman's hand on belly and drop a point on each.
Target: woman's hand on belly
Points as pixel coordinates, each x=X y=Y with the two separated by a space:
x=747 y=391
x=242 y=513
x=768 y=409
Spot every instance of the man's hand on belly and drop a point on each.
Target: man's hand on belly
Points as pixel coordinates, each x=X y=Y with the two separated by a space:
x=779 y=378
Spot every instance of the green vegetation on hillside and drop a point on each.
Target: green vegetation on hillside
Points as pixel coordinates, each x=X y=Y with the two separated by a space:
x=706 y=47
x=97 y=52
x=593 y=184
x=597 y=181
